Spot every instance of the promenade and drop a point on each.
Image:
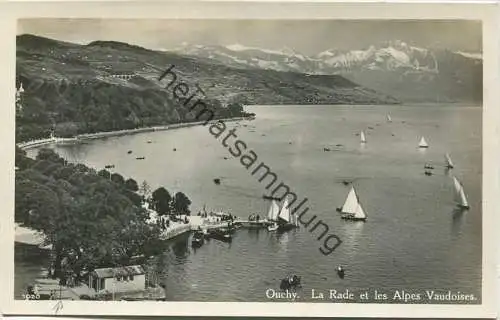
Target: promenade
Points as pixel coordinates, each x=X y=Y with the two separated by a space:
x=107 y=134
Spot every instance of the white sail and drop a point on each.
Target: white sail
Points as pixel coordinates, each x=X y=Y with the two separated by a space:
x=360 y=213
x=274 y=210
x=449 y=164
x=423 y=143
x=456 y=183
x=363 y=138
x=351 y=202
x=460 y=193
x=463 y=198
x=389 y=119
x=285 y=211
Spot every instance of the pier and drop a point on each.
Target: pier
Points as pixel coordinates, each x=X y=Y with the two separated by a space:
x=197 y=222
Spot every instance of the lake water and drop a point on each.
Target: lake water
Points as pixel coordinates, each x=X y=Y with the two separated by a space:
x=413 y=239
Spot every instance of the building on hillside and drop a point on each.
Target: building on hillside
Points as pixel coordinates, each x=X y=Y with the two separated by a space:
x=19 y=92
x=118 y=280
x=124 y=75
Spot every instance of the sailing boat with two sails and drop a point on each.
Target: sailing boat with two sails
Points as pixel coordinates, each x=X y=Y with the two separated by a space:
x=282 y=219
x=352 y=209
x=389 y=119
x=460 y=196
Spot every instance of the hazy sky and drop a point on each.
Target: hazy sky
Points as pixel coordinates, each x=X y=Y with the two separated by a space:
x=306 y=36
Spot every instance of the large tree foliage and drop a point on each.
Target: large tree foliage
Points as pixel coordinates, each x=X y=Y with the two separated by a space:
x=89 y=220
x=181 y=203
x=162 y=201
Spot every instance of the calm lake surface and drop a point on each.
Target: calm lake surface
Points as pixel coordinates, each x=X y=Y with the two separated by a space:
x=413 y=240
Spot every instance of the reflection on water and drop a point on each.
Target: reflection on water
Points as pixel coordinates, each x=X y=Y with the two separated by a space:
x=350 y=244
x=181 y=247
x=422 y=151
x=458 y=221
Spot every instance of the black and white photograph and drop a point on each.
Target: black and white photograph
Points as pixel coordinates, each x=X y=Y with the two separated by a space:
x=278 y=161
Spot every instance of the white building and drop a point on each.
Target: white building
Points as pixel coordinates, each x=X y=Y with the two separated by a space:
x=18 y=98
x=118 y=280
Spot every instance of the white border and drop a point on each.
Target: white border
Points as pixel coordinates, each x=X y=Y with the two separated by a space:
x=486 y=12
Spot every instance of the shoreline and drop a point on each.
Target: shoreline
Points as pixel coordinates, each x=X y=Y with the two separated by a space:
x=105 y=134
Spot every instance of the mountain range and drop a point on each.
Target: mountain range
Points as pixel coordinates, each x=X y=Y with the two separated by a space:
x=73 y=87
x=409 y=73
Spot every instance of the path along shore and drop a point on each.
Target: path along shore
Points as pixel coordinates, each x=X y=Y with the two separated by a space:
x=33 y=237
x=106 y=134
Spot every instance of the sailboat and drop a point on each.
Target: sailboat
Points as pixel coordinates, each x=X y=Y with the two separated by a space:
x=460 y=194
x=447 y=159
x=363 y=138
x=389 y=119
x=352 y=209
x=423 y=143
x=272 y=216
x=285 y=222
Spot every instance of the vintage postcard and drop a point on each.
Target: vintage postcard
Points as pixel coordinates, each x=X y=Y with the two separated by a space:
x=249 y=159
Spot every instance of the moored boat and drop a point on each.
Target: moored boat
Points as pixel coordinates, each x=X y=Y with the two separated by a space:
x=198 y=239
x=221 y=235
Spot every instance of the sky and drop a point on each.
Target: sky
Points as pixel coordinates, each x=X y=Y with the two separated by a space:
x=305 y=36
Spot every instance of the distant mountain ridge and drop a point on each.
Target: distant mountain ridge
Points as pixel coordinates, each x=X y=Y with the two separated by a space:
x=406 y=72
x=73 y=86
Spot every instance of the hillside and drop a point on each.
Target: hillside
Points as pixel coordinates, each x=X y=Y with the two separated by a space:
x=409 y=73
x=69 y=86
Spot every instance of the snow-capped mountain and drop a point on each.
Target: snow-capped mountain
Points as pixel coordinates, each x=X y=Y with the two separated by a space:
x=408 y=72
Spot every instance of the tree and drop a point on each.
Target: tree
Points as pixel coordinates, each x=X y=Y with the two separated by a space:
x=181 y=204
x=90 y=221
x=49 y=154
x=117 y=178
x=235 y=109
x=20 y=156
x=131 y=185
x=162 y=201
x=104 y=173
x=145 y=189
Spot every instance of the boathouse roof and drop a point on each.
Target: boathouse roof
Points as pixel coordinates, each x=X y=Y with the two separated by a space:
x=120 y=271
